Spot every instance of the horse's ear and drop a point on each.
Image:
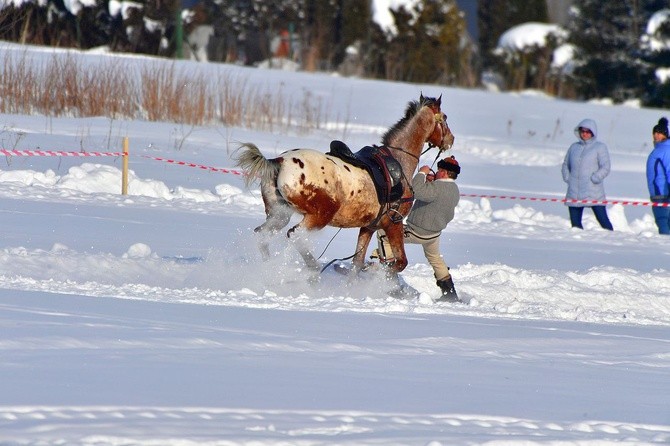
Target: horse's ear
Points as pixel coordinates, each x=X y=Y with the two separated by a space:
x=421 y=98
x=439 y=101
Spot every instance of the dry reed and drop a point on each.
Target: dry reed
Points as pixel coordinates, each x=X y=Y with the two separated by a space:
x=66 y=85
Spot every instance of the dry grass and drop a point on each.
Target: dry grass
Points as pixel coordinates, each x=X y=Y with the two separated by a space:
x=64 y=86
x=17 y=86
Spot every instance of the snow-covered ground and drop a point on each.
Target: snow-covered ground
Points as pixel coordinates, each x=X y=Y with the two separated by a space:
x=150 y=319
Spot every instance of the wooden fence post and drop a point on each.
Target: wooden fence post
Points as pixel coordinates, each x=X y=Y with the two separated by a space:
x=124 y=175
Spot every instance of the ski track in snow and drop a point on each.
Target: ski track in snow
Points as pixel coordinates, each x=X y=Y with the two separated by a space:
x=217 y=426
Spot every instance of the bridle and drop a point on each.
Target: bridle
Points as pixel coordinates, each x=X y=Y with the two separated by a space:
x=439 y=121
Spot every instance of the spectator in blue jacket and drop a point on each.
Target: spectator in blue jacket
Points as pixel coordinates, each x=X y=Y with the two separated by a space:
x=585 y=167
x=658 y=176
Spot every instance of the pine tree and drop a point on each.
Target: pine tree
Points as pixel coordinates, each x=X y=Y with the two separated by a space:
x=658 y=56
x=355 y=22
x=428 y=46
x=606 y=36
x=52 y=23
x=494 y=17
x=244 y=28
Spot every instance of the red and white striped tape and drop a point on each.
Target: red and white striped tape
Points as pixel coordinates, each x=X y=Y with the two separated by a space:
x=508 y=197
x=198 y=166
x=565 y=200
x=237 y=172
x=56 y=153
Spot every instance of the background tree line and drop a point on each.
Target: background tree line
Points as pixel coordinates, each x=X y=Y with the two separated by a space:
x=614 y=56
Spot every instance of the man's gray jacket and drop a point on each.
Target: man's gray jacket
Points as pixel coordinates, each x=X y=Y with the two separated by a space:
x=434 y=204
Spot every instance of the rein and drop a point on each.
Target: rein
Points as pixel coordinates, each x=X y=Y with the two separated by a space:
x=436 y=158
x=400 y=149
x=334 y=260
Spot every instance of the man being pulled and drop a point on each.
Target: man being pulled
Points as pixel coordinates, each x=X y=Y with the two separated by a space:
x=436 y=196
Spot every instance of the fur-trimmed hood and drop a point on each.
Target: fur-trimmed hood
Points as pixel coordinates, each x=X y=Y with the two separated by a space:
x=587 y=124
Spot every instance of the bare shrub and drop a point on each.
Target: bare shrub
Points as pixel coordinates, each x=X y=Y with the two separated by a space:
x=230 y=100
x=159 y=91
x=62 y=92
x=108 y=91
x=19 y=82
x=167 y=95
x=312 y=109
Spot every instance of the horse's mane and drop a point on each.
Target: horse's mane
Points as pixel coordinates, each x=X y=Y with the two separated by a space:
x=412 y=109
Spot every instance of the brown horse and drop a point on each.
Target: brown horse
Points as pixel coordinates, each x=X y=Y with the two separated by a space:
x=328 y=191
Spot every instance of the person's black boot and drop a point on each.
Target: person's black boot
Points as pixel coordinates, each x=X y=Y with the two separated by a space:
x=448 y=291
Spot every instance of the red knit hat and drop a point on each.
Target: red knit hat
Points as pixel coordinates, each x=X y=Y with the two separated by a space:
x=450 y=164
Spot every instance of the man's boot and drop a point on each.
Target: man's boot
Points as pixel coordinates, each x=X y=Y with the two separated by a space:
x=448 y=290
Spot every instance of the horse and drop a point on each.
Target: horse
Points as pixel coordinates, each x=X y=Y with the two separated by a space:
x=329 y=191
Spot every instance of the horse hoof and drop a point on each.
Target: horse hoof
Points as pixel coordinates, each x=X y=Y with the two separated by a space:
x=404 y=292
x=354 y=270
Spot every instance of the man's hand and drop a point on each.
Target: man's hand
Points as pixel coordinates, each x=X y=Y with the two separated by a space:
x=430 y=176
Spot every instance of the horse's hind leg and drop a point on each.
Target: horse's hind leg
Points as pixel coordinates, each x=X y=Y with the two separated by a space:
x=303 y=248
x=276 y=218
x=277 y=215
x=298 y=232
x=272 y=225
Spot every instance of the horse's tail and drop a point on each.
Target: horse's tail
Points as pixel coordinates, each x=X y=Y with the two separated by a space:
x=255 y=165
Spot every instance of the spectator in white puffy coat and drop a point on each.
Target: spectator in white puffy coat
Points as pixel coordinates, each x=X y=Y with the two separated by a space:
x=585 y=167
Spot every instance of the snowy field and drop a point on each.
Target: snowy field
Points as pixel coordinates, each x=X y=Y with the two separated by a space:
x=150 y=319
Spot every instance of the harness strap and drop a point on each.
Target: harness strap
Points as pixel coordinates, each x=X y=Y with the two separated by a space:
x=391 y=208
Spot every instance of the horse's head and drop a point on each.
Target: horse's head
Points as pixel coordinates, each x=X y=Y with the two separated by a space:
x=441 y=136
x=423 y=122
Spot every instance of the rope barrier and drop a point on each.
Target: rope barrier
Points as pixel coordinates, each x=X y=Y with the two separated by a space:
x=198 y=166
x=502 y=197
x=55 y=153
x=237 y=172
x=565 y=200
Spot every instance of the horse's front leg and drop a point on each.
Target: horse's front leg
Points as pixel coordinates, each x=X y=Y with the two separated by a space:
x=364 y=237
x=395 y=235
